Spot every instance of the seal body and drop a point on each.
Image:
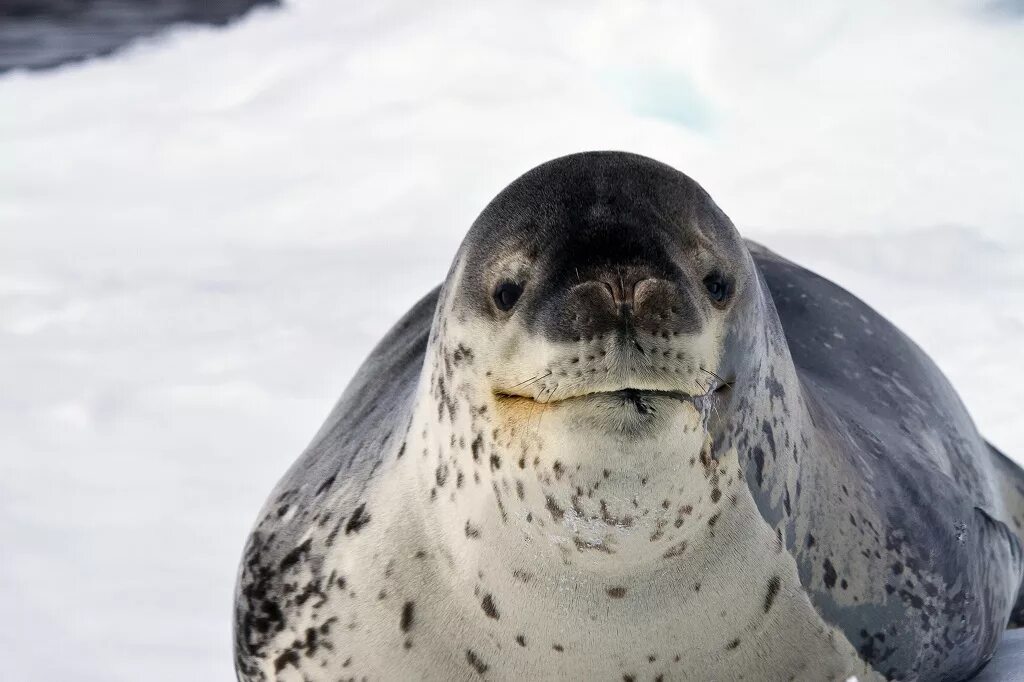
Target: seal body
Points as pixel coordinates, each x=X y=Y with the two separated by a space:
x=619 y=442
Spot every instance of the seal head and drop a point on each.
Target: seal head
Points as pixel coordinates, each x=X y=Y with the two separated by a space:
x=604 y=280
x=601 y=298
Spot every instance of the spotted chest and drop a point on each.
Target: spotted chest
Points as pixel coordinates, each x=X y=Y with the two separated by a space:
x=489 y=583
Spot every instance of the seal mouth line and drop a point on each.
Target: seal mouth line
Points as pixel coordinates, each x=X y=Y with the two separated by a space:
x=624 y=393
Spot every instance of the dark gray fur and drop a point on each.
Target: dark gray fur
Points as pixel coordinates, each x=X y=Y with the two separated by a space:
x=953 y=565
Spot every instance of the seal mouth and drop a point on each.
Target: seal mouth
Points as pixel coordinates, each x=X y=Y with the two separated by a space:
x=639 y=397
x=639 y=394
x=640 y=400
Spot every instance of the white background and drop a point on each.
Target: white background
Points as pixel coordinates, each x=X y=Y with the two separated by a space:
x=201 y=237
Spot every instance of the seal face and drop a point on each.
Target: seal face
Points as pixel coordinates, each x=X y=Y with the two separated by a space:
x=620 y=442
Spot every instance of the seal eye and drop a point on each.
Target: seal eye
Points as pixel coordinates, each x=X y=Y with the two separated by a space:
x=719 y=287
x=506 y=294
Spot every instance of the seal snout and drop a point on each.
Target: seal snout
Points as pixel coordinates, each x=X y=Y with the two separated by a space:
x=621 y=287
x=628 y=301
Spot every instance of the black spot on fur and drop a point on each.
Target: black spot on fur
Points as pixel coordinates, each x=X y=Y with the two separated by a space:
x=773 y=590
x=830 y=574
x=557 y=513
x=500 y=503
x=521 y=575
x=487 y=604
x=462 y=354
x=475 y=662
x=521 y=640
x=477 y=446
x=733 y=644
x=292 y=557
x=406 y=621
x=617 y=592
x=758 y=455
x=675 y=550
x=913 y=600
x=325 y=485
x=358 y=520
x=289 y=657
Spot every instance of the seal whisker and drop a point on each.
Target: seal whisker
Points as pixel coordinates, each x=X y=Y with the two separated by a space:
x=533 y=406
x=531 y=380
x=724 y=383
x=707 y=371
x=540 y=418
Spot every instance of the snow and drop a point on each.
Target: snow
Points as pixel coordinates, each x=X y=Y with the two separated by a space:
x=201 y=237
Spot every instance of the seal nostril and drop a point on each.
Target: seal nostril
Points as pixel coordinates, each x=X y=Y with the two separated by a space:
x=612 y=293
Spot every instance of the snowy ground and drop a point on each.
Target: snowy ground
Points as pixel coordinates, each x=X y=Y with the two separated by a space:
x=200 y=238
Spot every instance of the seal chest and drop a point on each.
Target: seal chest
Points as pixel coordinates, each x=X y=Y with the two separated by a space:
x=599 y=451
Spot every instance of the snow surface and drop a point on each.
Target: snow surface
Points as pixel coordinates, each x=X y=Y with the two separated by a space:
x=202 y=237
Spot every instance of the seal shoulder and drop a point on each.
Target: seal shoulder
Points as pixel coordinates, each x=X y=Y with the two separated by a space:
x=322 y=496
x=351 y=441
x=870 y=376
x=944 y=503
x=841 y=344
x=886 y=391
x=850 y=356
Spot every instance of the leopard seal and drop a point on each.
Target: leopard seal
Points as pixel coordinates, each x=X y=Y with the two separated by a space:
x=620 y=442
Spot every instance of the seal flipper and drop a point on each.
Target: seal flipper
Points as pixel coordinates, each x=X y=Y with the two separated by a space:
x=1007 y=664
x=1011 y=486
x=1001 y=548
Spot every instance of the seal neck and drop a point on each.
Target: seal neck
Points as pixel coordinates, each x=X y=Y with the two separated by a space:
x=770 y=419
